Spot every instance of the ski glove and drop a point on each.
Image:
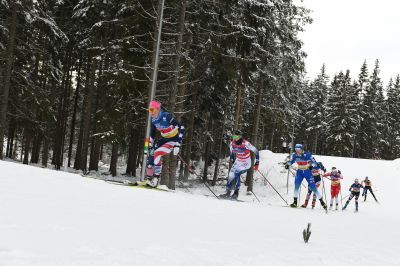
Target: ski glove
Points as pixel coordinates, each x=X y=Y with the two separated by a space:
x=256 y=165
x=176 y=149
x=286 y=166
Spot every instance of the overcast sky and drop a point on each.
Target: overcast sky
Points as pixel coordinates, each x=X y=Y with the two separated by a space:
x=345 y=32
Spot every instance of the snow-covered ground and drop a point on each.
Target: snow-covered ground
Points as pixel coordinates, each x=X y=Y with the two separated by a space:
x=57 y=218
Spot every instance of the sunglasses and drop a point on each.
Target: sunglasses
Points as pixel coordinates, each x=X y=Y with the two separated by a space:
x=152 y=110
x=236 y=137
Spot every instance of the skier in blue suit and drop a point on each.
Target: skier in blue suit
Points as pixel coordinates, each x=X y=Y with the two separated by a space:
x=305 y=162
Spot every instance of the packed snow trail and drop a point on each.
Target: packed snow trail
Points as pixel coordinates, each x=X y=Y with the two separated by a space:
x=56 y=218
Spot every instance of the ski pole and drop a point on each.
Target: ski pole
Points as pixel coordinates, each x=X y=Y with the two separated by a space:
x=324 y=191
x=256 y=197
x=194 y=172
x=272 y=187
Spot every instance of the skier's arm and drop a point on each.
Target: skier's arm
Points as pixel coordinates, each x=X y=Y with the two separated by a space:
x=290 y=162
x=173 y=122
x=254 y=150
x=231 y=155
x=153 y=131
x=293 y=160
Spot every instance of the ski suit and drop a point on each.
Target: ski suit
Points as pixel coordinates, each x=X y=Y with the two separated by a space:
x=335 y=185
x=316 y=168
x=240 y=154
x=368 y=186
x=304 y=162
x=354 y=193
x=171 y=136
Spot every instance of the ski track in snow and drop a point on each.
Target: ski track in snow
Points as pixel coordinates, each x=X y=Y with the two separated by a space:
x=58 y=218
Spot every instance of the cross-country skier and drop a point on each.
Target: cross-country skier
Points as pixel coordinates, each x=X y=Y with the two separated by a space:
x=368 y=186
x=335 y=176
x=171 y=139
x=304 y=161
x=316 y=172
x=240 y=156
x=354 y=193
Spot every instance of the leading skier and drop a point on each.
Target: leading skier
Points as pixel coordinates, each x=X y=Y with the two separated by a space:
x=305 y=162
x=240 y=156
x=171 y=138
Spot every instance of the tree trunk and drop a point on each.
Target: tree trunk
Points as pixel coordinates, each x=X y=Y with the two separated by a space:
x=27 y=146
x=254 y=134
x=62 y=116
x=207 y=145
x=114 y=159
x=73 y=121
x=78 y=154
x=174 y=94
x=45 y=152
x=190 y=132
x=86 y=115
x=37 y=143
x=7 y=77
x=221 y=144
x=132 y=153
x=10 y=140
x=238 y=107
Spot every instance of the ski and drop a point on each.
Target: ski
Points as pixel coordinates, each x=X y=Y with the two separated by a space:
x=231 y=199
x=141 y=184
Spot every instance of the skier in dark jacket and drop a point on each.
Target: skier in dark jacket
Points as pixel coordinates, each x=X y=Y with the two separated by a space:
x=354 y=193
x=316 y=172
x=171 y=132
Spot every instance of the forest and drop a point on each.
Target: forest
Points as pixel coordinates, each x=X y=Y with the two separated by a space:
x=75 y=79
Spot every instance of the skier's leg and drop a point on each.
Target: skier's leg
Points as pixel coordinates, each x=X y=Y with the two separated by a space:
x=372 y=193
x=309 y=191
x=164 y=146
x=243 y=167
x=348 y=201
x=231 y=177
x=365 y=193
x=356 y=200
x=337 y=200
x=297 y=183
x=314 y=195
x=313 y=187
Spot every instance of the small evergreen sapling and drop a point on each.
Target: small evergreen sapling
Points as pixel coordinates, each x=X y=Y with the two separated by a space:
x=307 y=233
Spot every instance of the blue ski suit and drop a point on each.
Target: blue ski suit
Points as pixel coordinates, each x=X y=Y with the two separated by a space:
x=305 y=161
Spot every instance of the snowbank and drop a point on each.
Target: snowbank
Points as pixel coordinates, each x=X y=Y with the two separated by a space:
x=56 y=218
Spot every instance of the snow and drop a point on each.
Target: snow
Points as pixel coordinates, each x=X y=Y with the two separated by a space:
x=57 y=218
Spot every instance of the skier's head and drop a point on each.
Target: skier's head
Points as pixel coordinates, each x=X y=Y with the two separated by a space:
x=366 y=178
x=299 y=148
x=154 y=108
x=334 y=170
x=356 y=180
x=237 y=135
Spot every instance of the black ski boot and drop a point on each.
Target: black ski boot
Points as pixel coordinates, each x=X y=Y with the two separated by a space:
x=294 y=204
x=226 y=195
x=235 y=194
x=323 y=204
